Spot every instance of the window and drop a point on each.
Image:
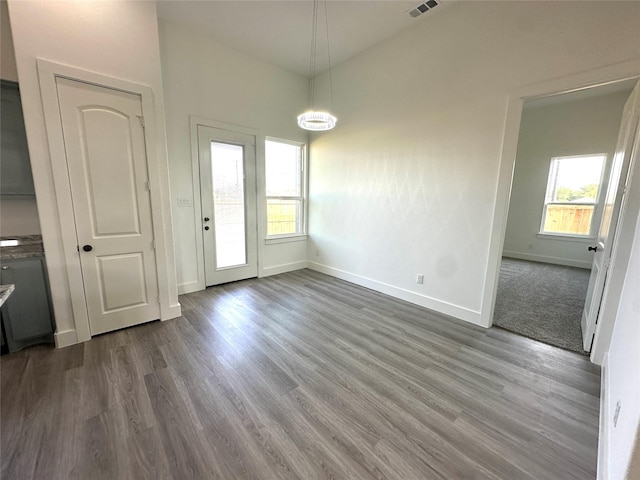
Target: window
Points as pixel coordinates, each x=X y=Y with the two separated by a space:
x=286 y=187
x=572 y=194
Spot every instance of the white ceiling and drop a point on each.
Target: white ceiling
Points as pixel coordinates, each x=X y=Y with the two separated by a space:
x=279 y=32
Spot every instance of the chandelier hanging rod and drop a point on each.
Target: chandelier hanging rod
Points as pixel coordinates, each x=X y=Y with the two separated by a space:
x=317 y=120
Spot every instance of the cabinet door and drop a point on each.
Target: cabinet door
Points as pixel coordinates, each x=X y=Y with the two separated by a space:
x=15 y=168
x=27 y=308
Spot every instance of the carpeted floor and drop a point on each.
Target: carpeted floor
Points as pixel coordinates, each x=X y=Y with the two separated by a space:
x=542 y=301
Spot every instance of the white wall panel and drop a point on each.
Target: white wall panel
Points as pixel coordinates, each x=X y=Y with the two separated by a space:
x=623 y=375
x=407 y=182
x=205 y=79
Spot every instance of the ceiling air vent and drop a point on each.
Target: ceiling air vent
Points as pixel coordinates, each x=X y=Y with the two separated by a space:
x=423 y=7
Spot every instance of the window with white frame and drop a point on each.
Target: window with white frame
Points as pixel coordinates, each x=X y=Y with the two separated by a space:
x=572 y=194
x=286 y=187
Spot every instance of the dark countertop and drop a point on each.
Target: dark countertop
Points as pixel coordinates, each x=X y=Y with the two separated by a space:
x=27 y=246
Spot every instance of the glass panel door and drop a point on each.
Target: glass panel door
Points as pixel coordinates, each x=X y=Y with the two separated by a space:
x=227 y=172
x=228 y=200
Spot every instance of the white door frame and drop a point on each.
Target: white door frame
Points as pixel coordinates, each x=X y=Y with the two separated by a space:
x=158 y=176
x=197 y=204
x=613 y=73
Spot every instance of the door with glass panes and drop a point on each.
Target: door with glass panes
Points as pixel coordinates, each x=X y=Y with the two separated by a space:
x=228 y=195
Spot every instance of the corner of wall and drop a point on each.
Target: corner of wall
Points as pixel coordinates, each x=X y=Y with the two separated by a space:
x=284 y=268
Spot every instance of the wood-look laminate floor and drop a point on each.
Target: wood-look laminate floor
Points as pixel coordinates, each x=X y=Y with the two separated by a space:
x=300 y=376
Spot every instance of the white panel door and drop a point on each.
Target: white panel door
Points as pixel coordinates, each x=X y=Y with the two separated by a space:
x=106 y=158
x=614 y=200
x=228 y=195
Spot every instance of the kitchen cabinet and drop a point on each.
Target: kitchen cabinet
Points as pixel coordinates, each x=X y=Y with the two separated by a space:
x=27 y=315
x=15 y=167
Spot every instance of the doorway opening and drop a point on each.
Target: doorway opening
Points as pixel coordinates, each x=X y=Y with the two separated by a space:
x=546 y=289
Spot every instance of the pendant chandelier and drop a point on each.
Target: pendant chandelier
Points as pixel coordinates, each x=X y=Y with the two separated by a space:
x=312 y=119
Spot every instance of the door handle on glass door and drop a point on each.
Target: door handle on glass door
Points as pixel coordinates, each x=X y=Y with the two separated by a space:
x=593 y=249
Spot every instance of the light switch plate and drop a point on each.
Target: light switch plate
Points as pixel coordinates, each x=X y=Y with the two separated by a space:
x=184 y=201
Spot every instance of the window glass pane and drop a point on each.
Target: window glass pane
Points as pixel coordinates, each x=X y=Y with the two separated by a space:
x=283 y=169
x=572 y=192
x=227 y=167
x=283 y=216
x=575 y=179
x=568 y=219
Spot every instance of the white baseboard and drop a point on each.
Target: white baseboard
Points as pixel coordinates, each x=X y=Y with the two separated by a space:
x=65 y=338
x=190 y=287
x=450 y=309
x=544 y=259
x=284 y=268
x=174 y=311
x=603 y=433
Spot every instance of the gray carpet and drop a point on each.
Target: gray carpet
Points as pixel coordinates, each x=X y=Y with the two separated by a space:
x=542 y=301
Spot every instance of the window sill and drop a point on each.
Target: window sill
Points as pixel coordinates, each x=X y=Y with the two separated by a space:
x=285 y=239
x=570 y=238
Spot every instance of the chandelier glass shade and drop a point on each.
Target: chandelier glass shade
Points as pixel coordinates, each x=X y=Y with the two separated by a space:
x=317 y=121
x=312 y=119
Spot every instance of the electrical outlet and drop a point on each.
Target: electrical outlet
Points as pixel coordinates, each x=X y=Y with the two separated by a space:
x=616 y=413
x=317 y=253
x=420 y=279
x=530 y=246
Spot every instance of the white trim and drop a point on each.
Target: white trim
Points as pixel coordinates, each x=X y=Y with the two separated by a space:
x=284 y=268
x=295 y=143
x=47 y=72
x=545 y=259
x=566 y=237
x=231 y=127
x=597 y=203
x=440 y=306
x=189 y=287
x=580 y=81
x=304 y=179
x=65 y=338
x=620 y=254
x=174 y=311
x=194 y=122
x=160 y=203
x=603 y=437
x=199 y=283
x=300 y=237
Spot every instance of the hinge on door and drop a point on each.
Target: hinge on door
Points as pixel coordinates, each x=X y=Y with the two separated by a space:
x=153 y=244
x=147 y=185
x=141 y=121
x=158 y=299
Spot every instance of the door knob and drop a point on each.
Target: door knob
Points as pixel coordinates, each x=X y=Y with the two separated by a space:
x=206 y=228
x=206 y=219
x=593 y=249
x=87 y=248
